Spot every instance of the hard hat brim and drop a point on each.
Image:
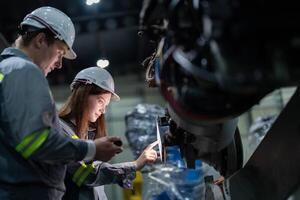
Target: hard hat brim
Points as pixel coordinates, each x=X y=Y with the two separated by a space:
x=115 y=97
x=70 y=54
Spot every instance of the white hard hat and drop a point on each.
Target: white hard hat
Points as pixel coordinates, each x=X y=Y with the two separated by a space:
x=99 y=77
x=57 y=22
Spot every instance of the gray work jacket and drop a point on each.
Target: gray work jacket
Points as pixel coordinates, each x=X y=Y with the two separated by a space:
x=33 y=150
x=103 y=173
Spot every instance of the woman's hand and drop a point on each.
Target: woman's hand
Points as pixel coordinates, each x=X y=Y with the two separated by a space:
x=148 y=156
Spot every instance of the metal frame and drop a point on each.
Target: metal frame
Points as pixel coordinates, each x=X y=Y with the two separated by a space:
x=273 y=171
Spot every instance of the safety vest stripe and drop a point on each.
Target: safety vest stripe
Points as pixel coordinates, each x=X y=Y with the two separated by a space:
x=1 y=77
x=26 y=149
x=85 y=175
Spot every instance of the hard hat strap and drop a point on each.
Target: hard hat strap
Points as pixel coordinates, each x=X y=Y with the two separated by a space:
x=85 y=81
x=43 y=22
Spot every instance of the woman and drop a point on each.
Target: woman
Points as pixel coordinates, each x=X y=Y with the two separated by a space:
x=83 y=117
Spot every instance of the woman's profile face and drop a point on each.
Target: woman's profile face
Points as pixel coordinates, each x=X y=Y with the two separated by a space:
x=97 y=105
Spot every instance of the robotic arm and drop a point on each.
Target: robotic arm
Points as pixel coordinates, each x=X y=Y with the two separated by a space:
x=214 y=60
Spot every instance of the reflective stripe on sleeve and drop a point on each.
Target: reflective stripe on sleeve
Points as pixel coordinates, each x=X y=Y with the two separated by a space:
x=75 y=137
x=82 y=173
x=31 y=143
x=1 y=77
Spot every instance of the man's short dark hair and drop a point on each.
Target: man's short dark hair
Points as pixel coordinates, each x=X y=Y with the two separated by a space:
x=28 y=33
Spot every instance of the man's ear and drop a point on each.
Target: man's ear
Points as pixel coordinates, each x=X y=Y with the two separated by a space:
x=39 y=40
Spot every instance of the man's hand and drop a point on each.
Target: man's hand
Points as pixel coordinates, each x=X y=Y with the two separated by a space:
x=106 y=149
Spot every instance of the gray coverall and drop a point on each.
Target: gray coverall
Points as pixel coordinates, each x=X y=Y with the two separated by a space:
x=33 y=150
x=86 y=181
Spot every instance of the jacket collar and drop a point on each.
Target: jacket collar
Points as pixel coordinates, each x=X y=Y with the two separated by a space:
x=12 y=51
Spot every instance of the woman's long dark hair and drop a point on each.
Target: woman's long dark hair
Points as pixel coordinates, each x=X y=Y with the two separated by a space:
x=76 y=108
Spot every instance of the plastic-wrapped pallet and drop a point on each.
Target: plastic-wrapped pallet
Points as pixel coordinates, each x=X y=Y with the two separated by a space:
x=141 y=126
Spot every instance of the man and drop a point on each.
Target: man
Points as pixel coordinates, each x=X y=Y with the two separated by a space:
x=33 y=150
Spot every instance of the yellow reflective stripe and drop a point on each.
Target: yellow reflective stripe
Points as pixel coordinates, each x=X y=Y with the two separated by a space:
x=79 y=171
x=86 y=173
x=27 y=152
x=1 y=77
x=25 y=141
x=75 y=137
x=82 y=173
x=36 y=144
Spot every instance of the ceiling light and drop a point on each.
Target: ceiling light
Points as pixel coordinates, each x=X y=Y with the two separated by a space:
x=91 y=2
x=102 y=63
